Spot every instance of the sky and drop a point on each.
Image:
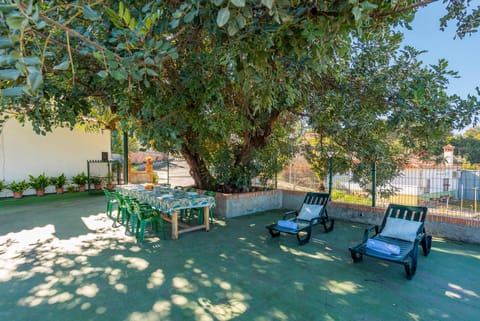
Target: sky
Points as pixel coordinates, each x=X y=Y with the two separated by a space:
x=463 y=55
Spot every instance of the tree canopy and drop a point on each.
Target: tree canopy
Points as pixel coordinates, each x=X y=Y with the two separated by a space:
x=226 y=82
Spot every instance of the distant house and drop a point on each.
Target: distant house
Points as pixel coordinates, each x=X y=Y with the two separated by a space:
x=430 y=179
x=424 y=179
x=23 y=152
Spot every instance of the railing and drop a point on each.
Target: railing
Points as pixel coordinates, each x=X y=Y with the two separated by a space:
x=446 y=190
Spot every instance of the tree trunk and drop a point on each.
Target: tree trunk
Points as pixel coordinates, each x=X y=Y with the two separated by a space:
x=198 y=170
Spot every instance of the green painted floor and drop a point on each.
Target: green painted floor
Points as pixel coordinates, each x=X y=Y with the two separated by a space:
x=60 y=259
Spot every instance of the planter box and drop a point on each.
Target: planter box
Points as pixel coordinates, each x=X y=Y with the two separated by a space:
x=232 y=205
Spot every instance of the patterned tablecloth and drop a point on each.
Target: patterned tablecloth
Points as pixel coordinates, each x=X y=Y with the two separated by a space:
x=166 y=200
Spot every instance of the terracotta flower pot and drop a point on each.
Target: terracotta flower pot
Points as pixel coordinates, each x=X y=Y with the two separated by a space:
x=82 y=188
x=59 y=190
x=17 y=195
x=40 y=192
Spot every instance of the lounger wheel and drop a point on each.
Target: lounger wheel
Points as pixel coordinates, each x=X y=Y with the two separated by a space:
x=356 y=257
x=273 y=232
x=427 y=244
x=304 y=236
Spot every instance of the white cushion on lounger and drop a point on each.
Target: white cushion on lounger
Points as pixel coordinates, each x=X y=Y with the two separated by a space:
x=401 y=229
x=309 y=211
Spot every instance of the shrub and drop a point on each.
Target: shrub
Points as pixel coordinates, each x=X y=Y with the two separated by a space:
x=39 y=182
x=58 y=181
x=18 y=187
x=80 y=179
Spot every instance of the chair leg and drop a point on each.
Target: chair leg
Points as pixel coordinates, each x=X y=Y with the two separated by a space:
x=304 y=239
x=411 y=266
x=426 y=244
x=141 y=235
x=162 y=225
x=356 y=257
x=328 y=228
x=272 y=232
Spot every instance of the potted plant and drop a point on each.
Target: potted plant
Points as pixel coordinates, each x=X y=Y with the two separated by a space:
x=2 y=185
x=18 y=188
x=58 y=182
x=80 y=179
x=72 y=187
x=110 y=184
x=39 y=183
x=96 y=181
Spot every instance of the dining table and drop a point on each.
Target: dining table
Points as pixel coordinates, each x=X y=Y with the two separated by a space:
x=170 y=202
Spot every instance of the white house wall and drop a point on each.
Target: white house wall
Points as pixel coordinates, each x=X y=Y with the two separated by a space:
x=23 y=152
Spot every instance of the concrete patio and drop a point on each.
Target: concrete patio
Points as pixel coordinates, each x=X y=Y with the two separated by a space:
x=60 y=259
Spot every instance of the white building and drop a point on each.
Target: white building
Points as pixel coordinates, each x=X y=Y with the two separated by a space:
x=24 y=153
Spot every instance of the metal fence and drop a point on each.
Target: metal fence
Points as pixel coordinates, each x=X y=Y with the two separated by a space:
x=445 y=190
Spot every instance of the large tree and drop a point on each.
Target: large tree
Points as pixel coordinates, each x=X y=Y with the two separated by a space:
x=219 y=81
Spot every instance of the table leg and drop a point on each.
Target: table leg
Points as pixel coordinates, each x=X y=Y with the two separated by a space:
x=175 y=225
x=206 y=218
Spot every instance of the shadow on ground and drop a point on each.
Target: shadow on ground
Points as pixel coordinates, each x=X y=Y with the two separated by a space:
x=63 y=260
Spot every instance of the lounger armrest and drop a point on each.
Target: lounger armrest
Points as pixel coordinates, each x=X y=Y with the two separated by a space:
x=366 y=234
x=289 y=214
x=419 y=237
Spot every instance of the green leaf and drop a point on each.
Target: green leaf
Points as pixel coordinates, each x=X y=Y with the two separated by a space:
x=121 y=8
x=268 y=3
x=132 y=24
x=35 y=80
x=5 y=43
x=120 y=75
x=241 y=21
x=10 y=74
x=232 y=28
x=218 y=3
x=126 y=16
x=6 y=60
x=12 y=91
x=223 y=16
x=174 y=23
x=90 y=14
x=152 y=72
x=31 y=61
x=15 y=20
x=238 y=3
x=189 y=16
x=369 y=6
x=103 y=74
x=6 y=8
x=357 y=13
x=29 y=8
x=62 y=66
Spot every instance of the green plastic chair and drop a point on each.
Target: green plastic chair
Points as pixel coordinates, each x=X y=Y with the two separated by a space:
x=113 y=200
x=142 y=215
x=122 y=214
x=397 y=238
x=199 y=211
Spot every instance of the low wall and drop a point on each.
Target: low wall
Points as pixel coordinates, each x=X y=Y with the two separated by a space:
x=232 y=205
x=453 y=228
